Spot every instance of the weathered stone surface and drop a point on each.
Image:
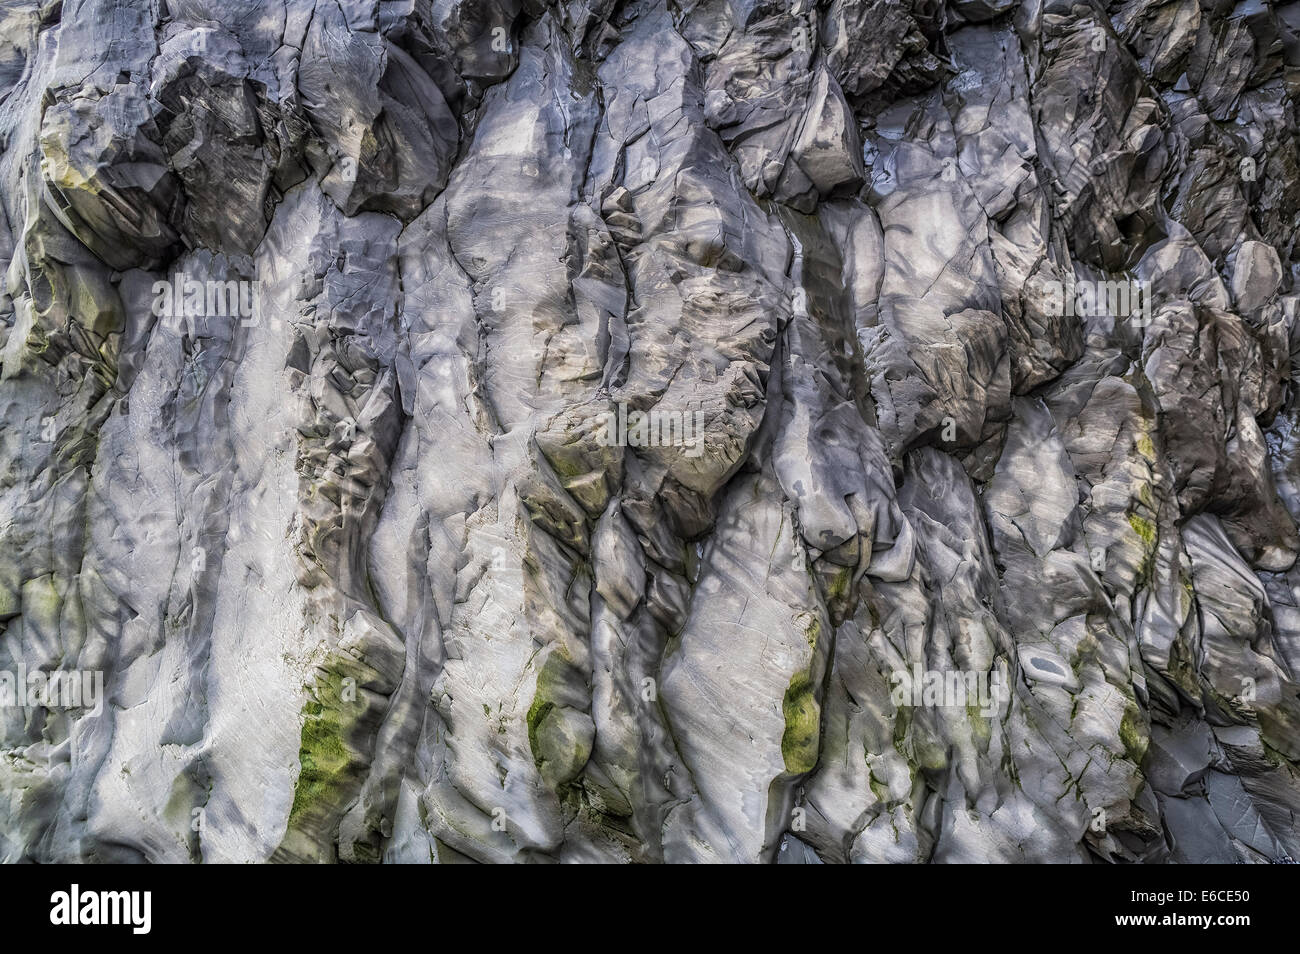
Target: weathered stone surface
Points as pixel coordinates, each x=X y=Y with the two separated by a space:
x=489 y=431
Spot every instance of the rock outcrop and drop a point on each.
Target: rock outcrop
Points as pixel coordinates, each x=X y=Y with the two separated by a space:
x=846 y=431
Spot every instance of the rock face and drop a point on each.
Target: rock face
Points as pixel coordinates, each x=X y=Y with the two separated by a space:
x=847 y=431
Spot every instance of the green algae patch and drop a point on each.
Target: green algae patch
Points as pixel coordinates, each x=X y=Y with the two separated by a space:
x=1144 y=528
x=536 y=713
x=840 y=584
x=812 y=631
x=878 y=787
x=1131 y=735
x=561 y=732
x=841 y=599
x=41 y=603
x=981 y=726
x=1146 y=531
x=323 y=752
x=799 y=742
x=931 y=753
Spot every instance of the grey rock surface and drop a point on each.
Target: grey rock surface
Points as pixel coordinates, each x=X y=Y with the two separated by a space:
x=485 y=431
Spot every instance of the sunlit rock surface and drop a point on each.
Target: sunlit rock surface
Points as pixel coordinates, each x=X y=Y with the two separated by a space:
x=329 y=337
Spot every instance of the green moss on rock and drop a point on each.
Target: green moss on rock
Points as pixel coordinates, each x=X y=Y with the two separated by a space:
x=812 y=631
x=839 y=588
x=322 y=752
x=536 y=713
x=560 y=730
x=799 y=742
x=1146 y=531
x=1144 y=528
x=1132 y=735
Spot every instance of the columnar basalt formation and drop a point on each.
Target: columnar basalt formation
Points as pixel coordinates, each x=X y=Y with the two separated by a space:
x=315 y=317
